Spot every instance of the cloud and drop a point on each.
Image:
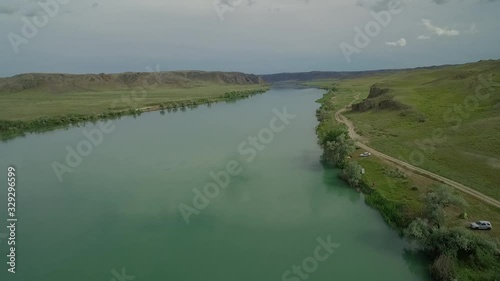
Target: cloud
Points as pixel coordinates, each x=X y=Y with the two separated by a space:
x=400 y=43
x=472 y=29
x=95 y=5
x=28 y=8
x=439 y=2
x=380 y=5
x=439 y=30
x=375 y=5
x=8 y=9
x=423 y=37
x=236 y=3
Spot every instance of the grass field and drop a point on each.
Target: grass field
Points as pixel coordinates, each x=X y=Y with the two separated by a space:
x=408 y=191
x=447 y=128
x=40 y=102
x=400 y=192
x=28 y=105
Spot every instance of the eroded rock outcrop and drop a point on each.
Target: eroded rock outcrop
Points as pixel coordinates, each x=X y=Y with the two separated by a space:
x=95 y=82
x=379 y=98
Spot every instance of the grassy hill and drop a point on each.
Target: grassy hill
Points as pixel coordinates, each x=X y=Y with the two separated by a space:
x=29 y=96
x=41 y=101
x=319 y=75
x=445 y=119
x=415 y=115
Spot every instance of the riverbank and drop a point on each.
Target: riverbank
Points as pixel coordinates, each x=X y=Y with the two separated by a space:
x=13 y=128
x=401 y=196
x=130 y=187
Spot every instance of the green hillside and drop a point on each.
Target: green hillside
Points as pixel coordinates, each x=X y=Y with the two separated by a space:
x=443 y=119
x=30 y=96
x=34 y=102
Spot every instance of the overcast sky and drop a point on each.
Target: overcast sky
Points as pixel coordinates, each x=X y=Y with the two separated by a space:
x=254 y=36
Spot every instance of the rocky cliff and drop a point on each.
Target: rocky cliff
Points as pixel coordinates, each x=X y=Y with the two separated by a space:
x=379 y=98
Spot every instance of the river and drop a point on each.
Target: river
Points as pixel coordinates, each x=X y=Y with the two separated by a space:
x=143 y=204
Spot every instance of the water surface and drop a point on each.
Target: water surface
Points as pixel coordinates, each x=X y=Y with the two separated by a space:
x=120 y=207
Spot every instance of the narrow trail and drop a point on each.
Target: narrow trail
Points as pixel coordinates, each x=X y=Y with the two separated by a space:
x=352 y=133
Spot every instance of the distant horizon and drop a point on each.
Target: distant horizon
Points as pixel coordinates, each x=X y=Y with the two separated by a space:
x=251 y=36
x=258 y=74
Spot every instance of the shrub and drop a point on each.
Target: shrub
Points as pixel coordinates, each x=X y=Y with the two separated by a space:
x=395 y=173
x=437 y=200
x=352 y=173
x=391 y=211
x=336 y=152
x=443 y=268
x=332 y=135
x=454 y=248
x=445 y=196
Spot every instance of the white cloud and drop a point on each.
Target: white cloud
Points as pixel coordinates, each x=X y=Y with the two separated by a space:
x=423 y=37
x=400 y=43
x=251 y=39
x=439 y=30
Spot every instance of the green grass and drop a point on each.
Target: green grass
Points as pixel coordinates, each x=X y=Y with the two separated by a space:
x=29 y=105
x=398 y=194
x=42 y=110
x=396 y=190
x=470 y=154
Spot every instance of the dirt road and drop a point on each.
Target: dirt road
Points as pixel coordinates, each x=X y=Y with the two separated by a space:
x=352 y=133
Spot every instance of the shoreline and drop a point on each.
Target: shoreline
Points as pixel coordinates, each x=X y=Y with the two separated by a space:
x=11 y=129
x=406 y=214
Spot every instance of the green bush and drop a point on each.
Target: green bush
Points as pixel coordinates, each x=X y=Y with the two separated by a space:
x=242 y=94
x=335 y=152
x=331 y=136
x=391 y=212
x=455 y=248
x=395 y=173
x=439 y=199
x=443 y=268
x=352 y=173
